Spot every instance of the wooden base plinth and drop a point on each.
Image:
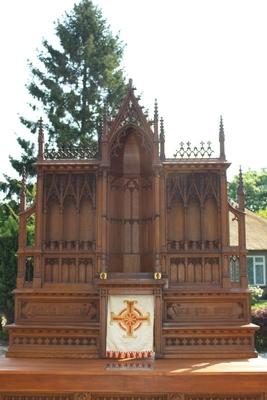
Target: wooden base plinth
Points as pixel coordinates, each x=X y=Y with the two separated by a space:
x=177 y=342
x=64 y=379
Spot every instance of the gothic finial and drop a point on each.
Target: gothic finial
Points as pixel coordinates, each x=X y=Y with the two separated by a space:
x=162 y=133
x=130 y=84
x=40 y=140
x=162 y=139
x=240 y=191
x=156 y=115
x=221 y=139
x=22 y=193
x=156 y=122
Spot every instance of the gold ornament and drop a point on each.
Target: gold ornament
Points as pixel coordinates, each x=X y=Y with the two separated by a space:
x=103 y=275
x=157 y=275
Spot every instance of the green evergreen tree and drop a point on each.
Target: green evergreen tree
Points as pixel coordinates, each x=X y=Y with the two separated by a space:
x=70 y=86
x=73 y=80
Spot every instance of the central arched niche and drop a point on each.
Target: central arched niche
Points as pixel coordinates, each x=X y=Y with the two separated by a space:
x=130 y=206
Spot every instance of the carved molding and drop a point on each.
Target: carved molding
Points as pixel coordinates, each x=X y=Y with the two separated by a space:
x=59 y=332
x=136 y=396
x=184 y=187
x=33 y=311
x=186 y=311
x=75 y=187
x=190 y=331
x=207 y=341
x=54 y=341
x=131 y=184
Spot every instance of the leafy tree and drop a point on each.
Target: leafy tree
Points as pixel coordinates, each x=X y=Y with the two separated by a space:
x=73 y=80
x=8 y=259
x=9 y=225
x=255 y=185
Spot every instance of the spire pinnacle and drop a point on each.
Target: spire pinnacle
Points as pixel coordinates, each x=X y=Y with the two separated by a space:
x=130 y=84
x=40 y=140
x=240 y=191
x=156 y=115
x=162 y=139
x=221 y=139
x=156 y=122
x=22 y=193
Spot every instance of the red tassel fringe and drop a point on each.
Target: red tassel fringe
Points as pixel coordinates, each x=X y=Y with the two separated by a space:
x=129 y=354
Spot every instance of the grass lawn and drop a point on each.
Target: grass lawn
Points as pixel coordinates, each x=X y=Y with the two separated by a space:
x=260 y=304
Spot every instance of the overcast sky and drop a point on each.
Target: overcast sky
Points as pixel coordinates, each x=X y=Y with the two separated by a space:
x=199 y=58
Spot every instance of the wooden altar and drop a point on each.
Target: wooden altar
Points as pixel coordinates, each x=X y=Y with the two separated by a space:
x=130 y=215
x=128 y=220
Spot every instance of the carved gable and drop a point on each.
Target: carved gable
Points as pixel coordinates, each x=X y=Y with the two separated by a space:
x=130 y=116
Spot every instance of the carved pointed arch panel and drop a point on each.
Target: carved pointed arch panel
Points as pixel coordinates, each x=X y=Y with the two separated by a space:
x=86 y=224
x=53 y=221
x=175 y=225
x=193 y=222
x=130 y=207
x=69 y=222
x=211 y=233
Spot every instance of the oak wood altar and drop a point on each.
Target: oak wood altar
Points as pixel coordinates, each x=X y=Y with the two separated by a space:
x=146 y=223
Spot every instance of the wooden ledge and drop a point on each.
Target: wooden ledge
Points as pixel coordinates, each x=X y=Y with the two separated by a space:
x=184 y=376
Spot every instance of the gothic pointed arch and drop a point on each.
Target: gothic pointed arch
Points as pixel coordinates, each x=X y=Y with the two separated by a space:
x=130 y=119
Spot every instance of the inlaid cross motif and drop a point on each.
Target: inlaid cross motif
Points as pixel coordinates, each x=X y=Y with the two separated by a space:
x=130 y=318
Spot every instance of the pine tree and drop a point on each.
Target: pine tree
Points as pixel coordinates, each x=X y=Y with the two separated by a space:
x=73 y=81
x=70 y=87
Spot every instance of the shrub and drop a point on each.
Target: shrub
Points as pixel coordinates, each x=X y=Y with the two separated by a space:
x=256 y=293
x=259 y=317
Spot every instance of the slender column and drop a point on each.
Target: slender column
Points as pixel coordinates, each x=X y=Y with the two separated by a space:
x=219 y=213
x=22 y=232
x=156 y=135
x=202 y=236
x=224 y=208
x=224 y=230
x=158 y=322
x=103 y=321
x=157 y=266
x=38 y=231
x=242 y=233
x=98 y=221
x=185 y=226
x=37 y=273
x=77 y=227
x=21 y=252
x=104 y=222
x=163 y=220
x=77 y=242
x=61 y=223
x=44 y=229
x=225 y=272
x=242 y=251
x=21 y=271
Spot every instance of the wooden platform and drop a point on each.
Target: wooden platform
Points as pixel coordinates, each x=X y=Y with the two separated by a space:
x=163 y=379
